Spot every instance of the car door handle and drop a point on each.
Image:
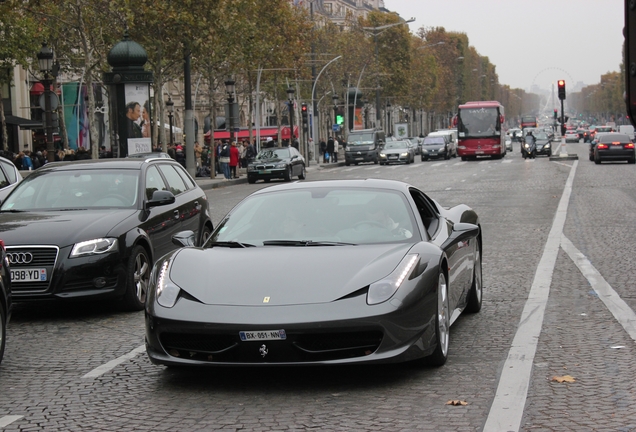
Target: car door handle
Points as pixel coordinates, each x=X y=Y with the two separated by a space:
x=176 y=214
x=197 y=205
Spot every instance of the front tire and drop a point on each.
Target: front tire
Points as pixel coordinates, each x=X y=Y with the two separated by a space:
x=442 y=324
x=138 y=277
x=287 y=176
x=251 y=179
x=303 y=173
x=476 y=289
x=3 y=332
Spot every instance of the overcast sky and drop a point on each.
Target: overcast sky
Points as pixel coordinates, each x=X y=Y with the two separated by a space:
x=531 y=41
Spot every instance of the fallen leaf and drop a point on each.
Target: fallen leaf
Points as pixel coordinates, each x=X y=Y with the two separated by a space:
x=457 y=402
x=564 y=378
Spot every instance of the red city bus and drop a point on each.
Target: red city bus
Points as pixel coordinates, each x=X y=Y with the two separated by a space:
x=479 y=130
x=528 y=122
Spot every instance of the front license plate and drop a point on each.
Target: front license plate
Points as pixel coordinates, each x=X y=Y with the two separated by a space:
x=359 y=158
x=264 y=172
x=479 y=152
x=263 y=335
x=28 y=275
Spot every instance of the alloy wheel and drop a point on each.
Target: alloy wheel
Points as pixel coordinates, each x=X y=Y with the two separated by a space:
x=443 y=315
x=141 y=276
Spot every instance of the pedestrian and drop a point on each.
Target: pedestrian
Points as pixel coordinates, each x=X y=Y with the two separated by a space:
x=242 y=153
x=250 y=154
x=198 y=150
x=269 y=142
x=27 y=163
x=180 y=155
x=171 y=151
x=234 y=160
x=330 y=149
x=39 y=159
x=224 y=159
x=82 y=154
x=69 y=155
x=323 y=149
x=17 y=161
x=336 y=149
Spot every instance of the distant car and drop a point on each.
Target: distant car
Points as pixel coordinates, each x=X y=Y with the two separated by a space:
x=276 y=163
x=571 y=135
x=435 y=147
x=5 y=297
x=614 y=147
x=91 y=229
x=627 y=130
x=149 y=155
x=543 y=143
x=508 y=143
x=397 y=152
x=515 y=134
x=9 y=177
x=451 y=137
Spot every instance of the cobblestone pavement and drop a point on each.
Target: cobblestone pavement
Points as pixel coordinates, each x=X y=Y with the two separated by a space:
x=51 y=347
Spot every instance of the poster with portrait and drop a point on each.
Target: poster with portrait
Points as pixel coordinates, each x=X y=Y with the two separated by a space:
x=137 y=117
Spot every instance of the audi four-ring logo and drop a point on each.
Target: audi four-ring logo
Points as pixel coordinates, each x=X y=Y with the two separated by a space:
x=20 y=257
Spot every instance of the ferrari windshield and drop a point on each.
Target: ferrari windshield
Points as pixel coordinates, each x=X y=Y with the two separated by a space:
x=319 y=215
x=75 y=189
x=360 y=139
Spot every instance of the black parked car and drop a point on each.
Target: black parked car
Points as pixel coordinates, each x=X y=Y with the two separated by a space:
x=5 y=298
x=91 y=230
x=283 y=162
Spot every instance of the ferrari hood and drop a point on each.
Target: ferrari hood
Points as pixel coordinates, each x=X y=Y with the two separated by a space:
x=266 y=276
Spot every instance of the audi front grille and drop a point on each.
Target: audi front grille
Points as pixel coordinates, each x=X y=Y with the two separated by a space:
x=32 y=257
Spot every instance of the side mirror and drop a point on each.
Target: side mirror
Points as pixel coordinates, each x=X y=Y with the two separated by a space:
x=160 y=198
x=461 y=231
x=183 y=239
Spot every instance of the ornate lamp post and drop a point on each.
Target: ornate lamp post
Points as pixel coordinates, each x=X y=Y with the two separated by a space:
x=45 y=64
x=388 y=118
x=290 y=98
x=229 y=89
x=170 y=109
x=366 y=112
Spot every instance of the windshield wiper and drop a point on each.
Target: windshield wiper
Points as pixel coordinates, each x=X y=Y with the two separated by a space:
x=230 y=244
x=304 y=243
x=11 y=211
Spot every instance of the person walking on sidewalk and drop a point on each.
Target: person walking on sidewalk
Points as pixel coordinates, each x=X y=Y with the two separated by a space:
x=330 y=147
x=336 y=149
x=235 y=155
x=224 y=159
x=323 y=149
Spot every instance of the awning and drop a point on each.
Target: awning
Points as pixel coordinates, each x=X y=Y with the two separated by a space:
x=23 y=123
x=245 y=133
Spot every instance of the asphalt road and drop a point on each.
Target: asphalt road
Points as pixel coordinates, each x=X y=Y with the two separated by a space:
x=559 y=301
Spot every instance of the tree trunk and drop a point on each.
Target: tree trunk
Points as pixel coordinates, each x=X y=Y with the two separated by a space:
x=5 y=140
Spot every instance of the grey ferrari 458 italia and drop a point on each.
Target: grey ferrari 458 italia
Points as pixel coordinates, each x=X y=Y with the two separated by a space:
x=310 y=273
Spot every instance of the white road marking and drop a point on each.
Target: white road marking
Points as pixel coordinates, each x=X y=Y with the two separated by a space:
x=564 y=164
x=106 y=367
x=616 y=305
x=447 y=188
x=438 y=164
x=506 y=411
x=7 y=420
x=463 y=180
x=506 y=161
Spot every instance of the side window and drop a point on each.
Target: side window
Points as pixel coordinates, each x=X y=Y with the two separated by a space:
x=154 y=182
x=186 y=177
x=176 y=184
x=9 y=169
x=3 y=180
x=429 y=216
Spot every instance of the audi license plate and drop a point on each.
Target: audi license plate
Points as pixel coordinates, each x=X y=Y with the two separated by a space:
x=28 y=275
x=263 y=335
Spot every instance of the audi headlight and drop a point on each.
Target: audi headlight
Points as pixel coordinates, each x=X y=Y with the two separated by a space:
x=167 y=291
x=93 y=247
x=546 y=146
x=382 y=155
x=405 y=154
x=384 y=289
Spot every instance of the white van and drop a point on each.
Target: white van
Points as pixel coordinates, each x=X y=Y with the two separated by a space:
x=451 y=135
x=627 y=130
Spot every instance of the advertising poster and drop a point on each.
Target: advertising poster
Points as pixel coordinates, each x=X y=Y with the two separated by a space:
x=401 y=130
x=358 y=121
x=75 y=115
x=137 y=118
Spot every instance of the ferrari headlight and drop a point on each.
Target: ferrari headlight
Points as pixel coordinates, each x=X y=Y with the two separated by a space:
x=384 y=289
x=167 y=291
x=93 y=247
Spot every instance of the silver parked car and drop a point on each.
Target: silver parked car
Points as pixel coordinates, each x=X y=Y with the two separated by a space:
x=9 y=177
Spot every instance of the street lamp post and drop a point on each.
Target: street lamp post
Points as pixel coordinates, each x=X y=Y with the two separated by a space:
x=229 y=89
x=388 y=118
x=366 y=112
x=290 y=98
x=376 y=31
x=45 y=64
x=335 y=108
x=170 y=109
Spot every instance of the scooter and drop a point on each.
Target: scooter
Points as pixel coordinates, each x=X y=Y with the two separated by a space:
x=529 y=147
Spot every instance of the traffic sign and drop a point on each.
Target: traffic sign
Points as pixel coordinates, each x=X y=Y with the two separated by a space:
x=52 y=97
x=335 y=128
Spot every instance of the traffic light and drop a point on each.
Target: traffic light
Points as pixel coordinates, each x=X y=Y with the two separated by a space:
x=561 y=85
x=555 y=113
x=303 y=112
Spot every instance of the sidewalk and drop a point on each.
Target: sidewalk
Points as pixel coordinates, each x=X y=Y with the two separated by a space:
x=206 y=183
